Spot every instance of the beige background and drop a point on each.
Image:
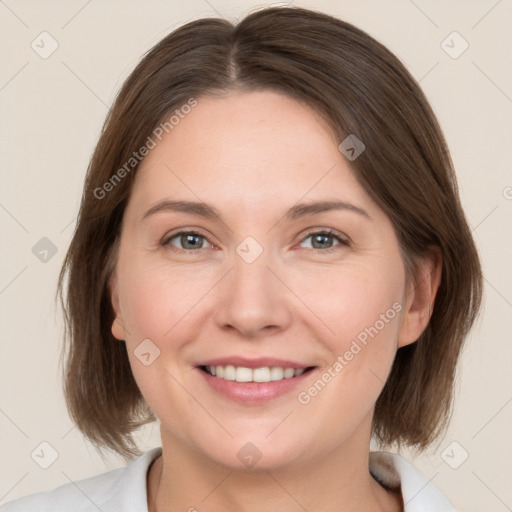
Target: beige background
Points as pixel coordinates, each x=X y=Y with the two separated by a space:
x=52 y=110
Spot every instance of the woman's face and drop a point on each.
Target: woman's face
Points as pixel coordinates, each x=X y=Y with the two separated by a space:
x=259 y=288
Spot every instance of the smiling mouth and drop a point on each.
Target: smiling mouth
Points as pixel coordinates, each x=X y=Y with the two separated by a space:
x=244 y=374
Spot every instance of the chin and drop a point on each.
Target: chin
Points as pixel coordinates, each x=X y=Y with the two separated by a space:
x=256 y=454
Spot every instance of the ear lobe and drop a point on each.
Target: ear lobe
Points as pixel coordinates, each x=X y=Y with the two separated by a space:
x=420 y=299
x=117 y=328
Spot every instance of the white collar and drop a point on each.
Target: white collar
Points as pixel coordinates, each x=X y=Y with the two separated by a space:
x=419 y=494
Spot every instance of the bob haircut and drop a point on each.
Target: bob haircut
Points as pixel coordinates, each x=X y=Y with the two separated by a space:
x=358 y=87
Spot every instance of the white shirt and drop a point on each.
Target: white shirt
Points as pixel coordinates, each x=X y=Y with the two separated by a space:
x=124 y=489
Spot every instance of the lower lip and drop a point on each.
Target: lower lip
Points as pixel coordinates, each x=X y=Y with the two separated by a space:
x=253 y=392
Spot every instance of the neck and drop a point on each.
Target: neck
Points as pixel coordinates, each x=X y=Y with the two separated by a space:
x=339 y=481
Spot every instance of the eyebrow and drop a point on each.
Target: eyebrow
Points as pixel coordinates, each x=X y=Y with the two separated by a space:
x=207 y=211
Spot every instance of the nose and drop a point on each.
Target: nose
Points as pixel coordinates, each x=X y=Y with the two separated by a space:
x=253 y=300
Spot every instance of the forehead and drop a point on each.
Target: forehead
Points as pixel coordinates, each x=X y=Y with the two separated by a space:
x=261 y=147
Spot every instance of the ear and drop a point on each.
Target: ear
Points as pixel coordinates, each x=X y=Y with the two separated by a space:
x=117 y=328
x=421 y=295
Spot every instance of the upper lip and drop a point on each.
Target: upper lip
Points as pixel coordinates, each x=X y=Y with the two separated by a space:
x=260 y=362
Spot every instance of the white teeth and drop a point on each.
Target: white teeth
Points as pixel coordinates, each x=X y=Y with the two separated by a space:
x=261 y=375
x=276 y=374
x=288 y=373
x=229 y=372
x=243 y=374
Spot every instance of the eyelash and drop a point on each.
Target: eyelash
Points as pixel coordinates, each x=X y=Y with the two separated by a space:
x=326 y=232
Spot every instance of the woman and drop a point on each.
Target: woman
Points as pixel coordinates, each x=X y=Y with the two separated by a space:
x=266 y=259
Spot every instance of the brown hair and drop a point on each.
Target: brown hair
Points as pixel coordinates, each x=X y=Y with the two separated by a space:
x=359 y=87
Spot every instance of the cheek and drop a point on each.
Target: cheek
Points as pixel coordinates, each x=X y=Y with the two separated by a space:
x=160 y=308
x=157 y=307
x=158 y=300
x=356 y=301
x=362 y=307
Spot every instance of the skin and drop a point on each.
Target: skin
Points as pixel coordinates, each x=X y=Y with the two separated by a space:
x=253 y=155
